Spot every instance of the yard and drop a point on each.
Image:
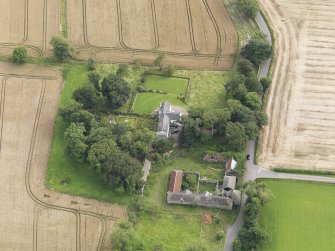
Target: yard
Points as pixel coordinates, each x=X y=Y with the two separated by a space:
x=300 y=216
x=182 y=224
x=173 y=86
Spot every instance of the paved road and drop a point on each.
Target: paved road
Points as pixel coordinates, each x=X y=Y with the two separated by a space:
x=253 y=171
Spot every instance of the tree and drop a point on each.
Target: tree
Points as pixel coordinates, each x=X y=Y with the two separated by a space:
x=216 y=119
x=169 y=70
x=235 y=87
x=245 y=67
x=61 y=47
x=248 y=7
x=83 y=116
x=253 y=84
x=123 y=70
x=257 y=50
x=94 y=78
x=243 y=115
x=91 y=65
x=87 y=96
x=265 y=82
x=163 y=145
x=261 y=119
x=253 y=101
x=75 y=138
x=191 y=131
x=66 y=112
x=235 y=136
x=20 y=55
x=100 y=133
x=251 y=129
x=122 y=240
x=116 y=90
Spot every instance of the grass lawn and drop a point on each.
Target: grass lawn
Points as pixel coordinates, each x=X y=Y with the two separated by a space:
x=148 y=102
x=300 y=216
x=169 y=84
x=83 y=182
x=163 y=225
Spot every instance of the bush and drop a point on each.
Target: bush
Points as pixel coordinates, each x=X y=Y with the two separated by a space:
x=169 y=70
x=245 y=67
x=123 y=70
x=20 y=55
x=220 y=235
x=265 y=82
x=61 y=47
x=257 y=50
x=91 y=65
x=248 y=7
x=94 y=78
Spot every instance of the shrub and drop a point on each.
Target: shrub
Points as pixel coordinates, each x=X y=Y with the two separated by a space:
x=20 y=55
x=266 y=82
x=91 y=65
x=123 y=70
x=248 y=7
x=220 y=235
x=61 y=47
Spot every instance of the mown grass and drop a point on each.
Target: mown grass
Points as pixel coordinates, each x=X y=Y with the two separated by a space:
x=171 y=85
x=300 y=216
x=173 y=227
x=147 y=103
x=82 y=181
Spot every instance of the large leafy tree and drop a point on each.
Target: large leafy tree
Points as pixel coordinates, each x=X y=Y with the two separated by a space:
x=87 y=96
x=76 y=140
x=248 y=7
x=116 y=90
x=257 y=50
x=235 y=136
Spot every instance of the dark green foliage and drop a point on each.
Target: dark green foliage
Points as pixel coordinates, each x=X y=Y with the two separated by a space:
x=123 y=70
x=235 y=136
x=253 y=84
x=100 y=133
x=235 y=87
x=248 y=7
x=251 y=129
x=265 y=82
x=163 y=145
x=261 y=119
x=253 y=101
x=245 y=67
x=168 y=70
x=257 y=50
x=75 y=138
x=217 y=119
x=191 y=132
x=91 y=65
x=243 y=115
x=20 y=55
x=196 y=112
x=94 y=78
x=87 y=96
x=61 y=47
x=116 y=90
x=251 y=235
x=220 y=235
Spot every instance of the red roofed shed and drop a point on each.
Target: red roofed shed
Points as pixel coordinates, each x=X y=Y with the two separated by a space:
x=176 y=179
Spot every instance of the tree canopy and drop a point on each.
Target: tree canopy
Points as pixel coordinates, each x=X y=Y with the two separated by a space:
x=257 y=50
x=20 y=55
x=115 y=90
x=61 y=47
x=248 y=7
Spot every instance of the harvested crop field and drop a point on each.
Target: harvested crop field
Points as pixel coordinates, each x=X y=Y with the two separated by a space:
x=193 y=34
x=301 y=102
x=36 y=218
x=28 y=22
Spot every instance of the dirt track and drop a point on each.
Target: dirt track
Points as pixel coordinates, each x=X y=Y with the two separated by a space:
x=196 y=34
x=32 y=217
x=301 y=100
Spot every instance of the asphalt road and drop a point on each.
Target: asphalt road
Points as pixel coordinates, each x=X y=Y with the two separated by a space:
x=253 y=171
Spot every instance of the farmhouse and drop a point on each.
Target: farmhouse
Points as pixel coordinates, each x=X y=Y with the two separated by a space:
x=167 y=114
x=213 y=157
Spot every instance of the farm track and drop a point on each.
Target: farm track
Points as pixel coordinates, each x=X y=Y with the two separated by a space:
x=40 y=204
x=122 y=47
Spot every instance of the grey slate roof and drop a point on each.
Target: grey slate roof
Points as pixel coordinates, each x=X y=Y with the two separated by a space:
x=165 y=115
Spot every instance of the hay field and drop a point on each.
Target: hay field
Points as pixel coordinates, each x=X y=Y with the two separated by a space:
x=28 y=22
x=301 y=101
x=196 y=34
x=32 y=217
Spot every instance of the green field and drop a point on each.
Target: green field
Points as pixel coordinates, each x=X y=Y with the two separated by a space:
x=148 y=102
x=176 y=227
x=83 y=181
x=300 y=216
x=171 y=85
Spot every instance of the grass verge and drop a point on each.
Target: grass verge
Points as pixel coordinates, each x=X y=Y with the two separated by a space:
x=307 y=172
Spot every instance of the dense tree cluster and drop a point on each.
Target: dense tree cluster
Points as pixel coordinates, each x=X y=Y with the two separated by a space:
x=61 y=47
x=252 y=234
x=248 y=7
x=257 y=50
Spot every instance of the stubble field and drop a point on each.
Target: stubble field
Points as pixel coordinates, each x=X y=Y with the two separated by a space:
x=32 y=217
x=28 y=22
x=193 y=34
x=301 y=100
